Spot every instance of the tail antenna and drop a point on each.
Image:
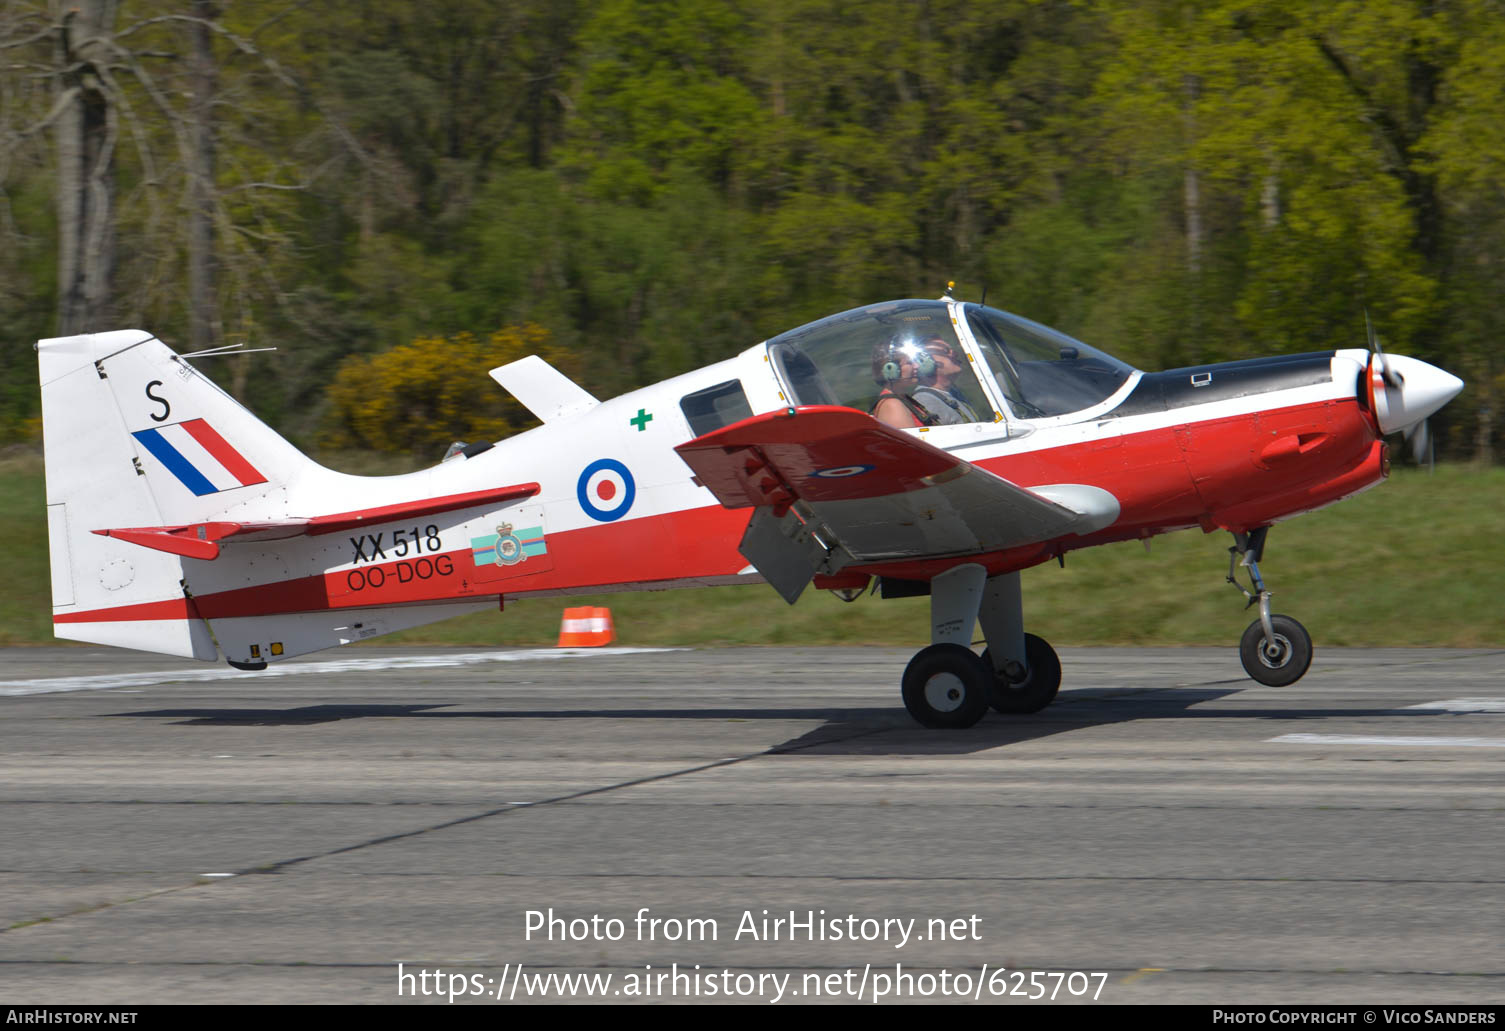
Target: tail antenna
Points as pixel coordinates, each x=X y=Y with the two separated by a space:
x=225 y=349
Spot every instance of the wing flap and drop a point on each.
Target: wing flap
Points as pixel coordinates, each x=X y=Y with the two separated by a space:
x=786 y=552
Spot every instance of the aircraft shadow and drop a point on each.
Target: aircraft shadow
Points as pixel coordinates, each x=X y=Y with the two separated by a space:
x=842 y=731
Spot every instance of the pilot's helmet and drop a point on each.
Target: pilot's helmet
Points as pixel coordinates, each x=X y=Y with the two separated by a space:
x=890 y=356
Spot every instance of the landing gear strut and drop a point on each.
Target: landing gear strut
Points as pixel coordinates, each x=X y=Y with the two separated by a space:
x=1275 y=650
x=947 y=684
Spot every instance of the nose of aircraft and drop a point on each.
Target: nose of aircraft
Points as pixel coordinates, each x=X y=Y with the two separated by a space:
x=1416 y=390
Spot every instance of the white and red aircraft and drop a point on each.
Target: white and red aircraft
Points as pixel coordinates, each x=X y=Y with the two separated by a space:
x=181 y=524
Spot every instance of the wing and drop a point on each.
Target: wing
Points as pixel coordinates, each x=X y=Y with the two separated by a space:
x=834 y=488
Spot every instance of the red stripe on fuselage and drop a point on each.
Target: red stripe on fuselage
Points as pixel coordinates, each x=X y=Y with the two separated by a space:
x=1205 y=473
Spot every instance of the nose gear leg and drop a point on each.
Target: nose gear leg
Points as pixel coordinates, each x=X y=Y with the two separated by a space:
x=1275 y=650
x=1252 y=547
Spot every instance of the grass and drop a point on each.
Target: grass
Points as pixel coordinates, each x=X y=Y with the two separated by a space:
x=1417 y=561
x=26 y=602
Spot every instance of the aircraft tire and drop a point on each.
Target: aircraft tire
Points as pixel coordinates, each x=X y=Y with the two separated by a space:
x=1039 y=686
x=1287 y=662
x=945 y=686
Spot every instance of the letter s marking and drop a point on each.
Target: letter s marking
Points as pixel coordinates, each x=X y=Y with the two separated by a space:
x=166 y=408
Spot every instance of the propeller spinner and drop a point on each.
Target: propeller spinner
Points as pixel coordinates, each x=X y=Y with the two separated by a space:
x=1404 y=391
x=1407 y=390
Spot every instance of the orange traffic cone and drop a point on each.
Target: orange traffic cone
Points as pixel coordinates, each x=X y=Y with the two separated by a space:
x=587 y=627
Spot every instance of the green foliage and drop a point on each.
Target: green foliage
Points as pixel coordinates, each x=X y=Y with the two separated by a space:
x=418 y=397
x=28 y=298
x=661 y=87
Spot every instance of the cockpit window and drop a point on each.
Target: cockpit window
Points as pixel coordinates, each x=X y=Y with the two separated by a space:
x=902 y=349
x=1042 y=372
x=715 y=407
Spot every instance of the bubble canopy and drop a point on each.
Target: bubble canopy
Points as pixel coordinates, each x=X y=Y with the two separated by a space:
x=1036 y=371
x=1042 y=372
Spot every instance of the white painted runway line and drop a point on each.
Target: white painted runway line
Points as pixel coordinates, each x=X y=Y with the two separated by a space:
x=1465 y=705
x=1380 y=739
x=106 y=681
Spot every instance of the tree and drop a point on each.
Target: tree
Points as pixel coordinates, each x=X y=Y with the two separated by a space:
x=418 y=397
x=85 y=123
x=203 y=321
x=1463 y=147
x=1304 y=214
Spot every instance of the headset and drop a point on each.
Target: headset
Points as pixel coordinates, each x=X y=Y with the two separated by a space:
x=903 y=345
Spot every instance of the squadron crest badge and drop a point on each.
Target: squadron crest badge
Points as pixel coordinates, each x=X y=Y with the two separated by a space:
x=508 y=547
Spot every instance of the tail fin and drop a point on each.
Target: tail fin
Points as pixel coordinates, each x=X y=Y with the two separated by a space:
x=127 y=425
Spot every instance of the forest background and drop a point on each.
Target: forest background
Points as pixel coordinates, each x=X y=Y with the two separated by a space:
x=399 y=196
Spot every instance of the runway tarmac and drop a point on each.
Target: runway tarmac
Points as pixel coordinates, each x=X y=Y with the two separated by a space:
x=172 y=832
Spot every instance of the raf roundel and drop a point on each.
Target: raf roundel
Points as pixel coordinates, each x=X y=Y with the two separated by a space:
x=605 y=490
x=841 y=472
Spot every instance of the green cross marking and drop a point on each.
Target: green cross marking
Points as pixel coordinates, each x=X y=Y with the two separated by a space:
x=641 y=420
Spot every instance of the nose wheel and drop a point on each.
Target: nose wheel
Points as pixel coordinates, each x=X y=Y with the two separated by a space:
x=1275 y=650
x=1280 y=659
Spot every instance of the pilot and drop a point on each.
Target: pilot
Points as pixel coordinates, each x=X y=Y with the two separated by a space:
x=938 y=392
x=897 y=364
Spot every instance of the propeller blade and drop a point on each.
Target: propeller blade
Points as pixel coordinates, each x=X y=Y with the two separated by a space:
x=1420 y=438
x=1391 y=379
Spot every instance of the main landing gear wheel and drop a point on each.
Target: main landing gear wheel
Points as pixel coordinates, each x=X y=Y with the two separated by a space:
x=1283 y=660
x=946 y=686
x=1039 y=686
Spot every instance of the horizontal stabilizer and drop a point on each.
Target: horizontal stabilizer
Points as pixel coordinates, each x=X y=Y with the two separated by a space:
x=202 y=540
